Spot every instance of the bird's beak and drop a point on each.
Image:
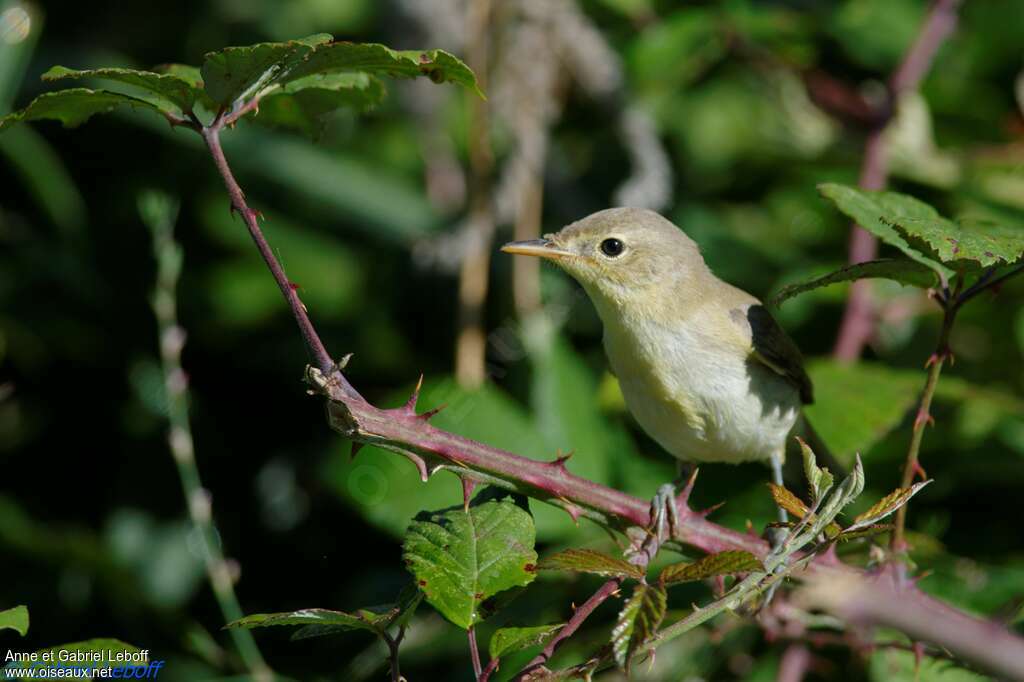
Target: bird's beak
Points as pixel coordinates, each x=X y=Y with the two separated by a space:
x=542 y=248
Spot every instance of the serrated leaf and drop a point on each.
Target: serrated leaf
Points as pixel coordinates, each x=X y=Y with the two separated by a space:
x=373 y=58
x=878 y=212
x=74 y=106
x=819 y=479
x=506 y=641
x=885 y=506
x=461 y=558
x=305 y=105
x=853 y=485
x=865 y=532
x=965 y=242
x=722 y=563
x=590 y=561
x=795 y=506
x=60 y=655
x=637 y=622
x=373 y=619
x=15 y=619
x=904 y=271
x=165 y=87
x=234 y=72
x=788 y=501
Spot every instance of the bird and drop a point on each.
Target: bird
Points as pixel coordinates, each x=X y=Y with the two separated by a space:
x=704 y=368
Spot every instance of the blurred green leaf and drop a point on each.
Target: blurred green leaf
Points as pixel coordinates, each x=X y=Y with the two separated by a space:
x=87 y=649
x=710 y=566
x=15 y=619
x=460 y=558
x=876 y=33
x=506 y=641
x=373 y=619
x=590 y=561
x=899 y=270
x=74 y=106
x=848 y=423
x=45 y=176
x=234 y=72
x=894 y=665
x=637 y=622
x=167 y=89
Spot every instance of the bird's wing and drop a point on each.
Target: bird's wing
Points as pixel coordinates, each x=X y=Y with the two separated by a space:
x=773 y=348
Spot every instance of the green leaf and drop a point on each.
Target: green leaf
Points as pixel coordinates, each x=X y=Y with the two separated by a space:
x=90 y=647
x=374 y=619
x=788 y=501
x=591 y=561
x=637 y=622
x=965 y=243
x=819 y=479
x=460 y=558
x=165 y=87
x=15 y=619
x=74 y=106
x=234 y=72
x=722 y=563
x=305 y=104
x=506 y=641
x=878 y=212
x=908 y=272
x=885 y=506
x=373 y=58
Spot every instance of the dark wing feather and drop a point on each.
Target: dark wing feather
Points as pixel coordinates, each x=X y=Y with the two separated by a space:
x=773 y=348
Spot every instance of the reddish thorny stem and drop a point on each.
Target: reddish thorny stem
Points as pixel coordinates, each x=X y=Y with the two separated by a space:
x=403 y=431
x=858 y=319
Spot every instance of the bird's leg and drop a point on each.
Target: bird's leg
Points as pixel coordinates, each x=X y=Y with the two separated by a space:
x=779 y=534
x=664 y=521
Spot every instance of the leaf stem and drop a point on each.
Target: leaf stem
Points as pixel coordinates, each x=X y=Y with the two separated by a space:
x=474 y=654
x=179 y=437
x=581 y=614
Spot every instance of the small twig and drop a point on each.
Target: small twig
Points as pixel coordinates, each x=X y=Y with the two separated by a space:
x=393 y=644
x=950 y=306
x=172 y=340
x=581 y=614
x=474 y=654
x=858 y=320
x=986 y=283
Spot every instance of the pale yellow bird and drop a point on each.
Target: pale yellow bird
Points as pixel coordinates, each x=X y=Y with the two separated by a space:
x=704 y=368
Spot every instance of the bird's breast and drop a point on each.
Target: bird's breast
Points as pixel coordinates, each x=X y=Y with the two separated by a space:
x=700 y=399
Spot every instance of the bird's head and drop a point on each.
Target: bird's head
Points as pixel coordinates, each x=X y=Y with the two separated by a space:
x=620 y=254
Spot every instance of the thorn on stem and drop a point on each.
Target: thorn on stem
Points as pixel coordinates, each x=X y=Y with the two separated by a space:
x=431 y=412
x=922 y=418
x=410 y=404
x=560 y=460
x=683 y=498
x=356 y=447
x=704 y=513
x=918 y=470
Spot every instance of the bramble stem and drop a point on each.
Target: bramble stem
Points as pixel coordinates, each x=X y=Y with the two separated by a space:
x=858 y=319
x=179 y=437
x=581 y=614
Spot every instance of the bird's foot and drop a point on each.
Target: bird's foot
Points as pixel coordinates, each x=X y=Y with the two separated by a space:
x=664 y=521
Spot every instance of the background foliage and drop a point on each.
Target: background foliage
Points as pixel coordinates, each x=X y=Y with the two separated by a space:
x=372 y=223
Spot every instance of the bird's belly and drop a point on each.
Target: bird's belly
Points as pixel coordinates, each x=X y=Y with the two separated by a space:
x=729 y=412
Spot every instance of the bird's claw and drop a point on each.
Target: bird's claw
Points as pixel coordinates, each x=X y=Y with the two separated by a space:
x=664 y=521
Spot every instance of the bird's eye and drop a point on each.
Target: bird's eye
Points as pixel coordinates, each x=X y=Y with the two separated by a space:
x=612 y=247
